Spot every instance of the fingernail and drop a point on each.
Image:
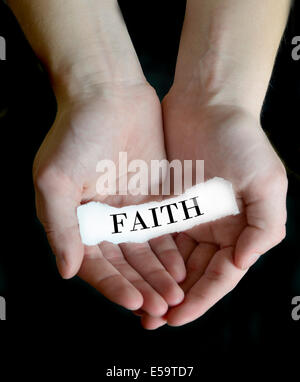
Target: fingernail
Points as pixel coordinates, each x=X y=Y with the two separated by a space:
x=249 y=262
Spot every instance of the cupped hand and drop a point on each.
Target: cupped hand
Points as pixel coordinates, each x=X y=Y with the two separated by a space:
x=115 y=119
x=233 y=146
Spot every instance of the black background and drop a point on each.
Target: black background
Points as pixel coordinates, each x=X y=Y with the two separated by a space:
x=255 y=317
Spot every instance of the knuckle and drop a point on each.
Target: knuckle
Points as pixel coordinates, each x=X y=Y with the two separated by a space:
x=50 y=180
x=282 y=233
x=45 y=177
x=278 y=235
x=192 y=265
x=157 y=272
x=158 y=241
x=214 y=274
x=280 y=180
x=169 y=256
x=274 y=184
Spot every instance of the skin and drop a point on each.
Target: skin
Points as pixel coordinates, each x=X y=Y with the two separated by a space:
x=65 y=176
x=105 y=106
x=218 y=254
x=212 y=112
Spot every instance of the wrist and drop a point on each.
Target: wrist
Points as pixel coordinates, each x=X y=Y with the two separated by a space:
x=82 y=44
x=214 y=79
x=114 y=95
x=197 y=109
x=88 y=77
x=227 y=57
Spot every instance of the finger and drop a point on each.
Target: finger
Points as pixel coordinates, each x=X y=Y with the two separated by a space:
x=153 y=303
x=197 y=263
x=144 y=261
x=100 y=274
x=56 y=209
x=166 y=250
x=266 y=218
x=152 y=323
x=219 y=278
x=148 y=322
x=185 y=245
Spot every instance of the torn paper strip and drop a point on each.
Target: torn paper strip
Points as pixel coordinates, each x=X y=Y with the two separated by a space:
x=202 y=203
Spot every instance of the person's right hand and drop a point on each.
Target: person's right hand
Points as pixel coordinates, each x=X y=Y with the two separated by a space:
x=117 y=119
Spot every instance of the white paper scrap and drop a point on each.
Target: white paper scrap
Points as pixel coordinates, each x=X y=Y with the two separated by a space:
x=204 y=202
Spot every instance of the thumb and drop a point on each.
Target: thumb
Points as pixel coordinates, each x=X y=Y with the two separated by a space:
x=56 y=207
x=265 y=207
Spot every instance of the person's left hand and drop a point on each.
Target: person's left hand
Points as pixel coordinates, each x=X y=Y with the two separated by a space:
x=218 y=254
